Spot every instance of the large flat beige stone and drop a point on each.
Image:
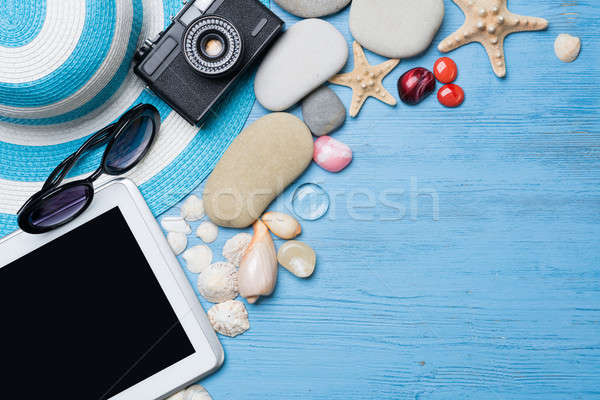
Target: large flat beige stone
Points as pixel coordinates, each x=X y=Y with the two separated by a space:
x=261 y=162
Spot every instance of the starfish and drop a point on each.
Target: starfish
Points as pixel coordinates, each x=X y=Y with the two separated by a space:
x=489 y=22
x=366 y=80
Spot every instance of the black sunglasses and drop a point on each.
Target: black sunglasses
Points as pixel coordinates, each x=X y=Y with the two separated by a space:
x=128 y=140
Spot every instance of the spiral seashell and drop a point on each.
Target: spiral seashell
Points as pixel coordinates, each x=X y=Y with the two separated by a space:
x=257 y=275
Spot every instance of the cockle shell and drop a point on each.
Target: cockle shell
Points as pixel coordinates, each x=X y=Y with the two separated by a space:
x=218 y=282
x=192 y=209
x=282 y=225
x=234 y=248
x=208 y=232
x=258 y=269
x=567 y=47
x=195 y=392
x=198 y=258
x=177 y=241
x=298 y=258
x=175 y=224
x=229 y=318
x=177 y=396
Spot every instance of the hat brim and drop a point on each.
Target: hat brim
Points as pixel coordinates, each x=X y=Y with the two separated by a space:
x=180 y=160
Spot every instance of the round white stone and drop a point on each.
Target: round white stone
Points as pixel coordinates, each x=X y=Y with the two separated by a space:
x=396 y=28
x=312 y=8
x=306 y=55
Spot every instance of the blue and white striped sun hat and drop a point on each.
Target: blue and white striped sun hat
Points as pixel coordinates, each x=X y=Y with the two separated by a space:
x=65 y=72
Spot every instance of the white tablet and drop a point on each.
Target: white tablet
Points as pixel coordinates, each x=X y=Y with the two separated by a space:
x=100 y=308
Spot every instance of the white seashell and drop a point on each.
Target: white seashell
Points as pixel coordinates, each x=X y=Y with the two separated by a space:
x=208 y=232
x=192 y=208
x=177 y=241
x=567 y=47
x=196 y=392
x=229 y=318
x=198 y=258
x=176 y=224
x=258 y=269
x=177 y=396
x=234 y=248
x=218 y=282
x=282 y=225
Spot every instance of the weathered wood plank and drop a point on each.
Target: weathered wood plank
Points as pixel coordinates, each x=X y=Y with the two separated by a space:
x=496 y=297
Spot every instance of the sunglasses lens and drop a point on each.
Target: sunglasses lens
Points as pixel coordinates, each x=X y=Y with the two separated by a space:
x=130 y=145
x=60 y=207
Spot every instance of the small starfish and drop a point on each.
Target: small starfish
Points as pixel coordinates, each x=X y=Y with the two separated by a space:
x=489 y=22
x=366 y=80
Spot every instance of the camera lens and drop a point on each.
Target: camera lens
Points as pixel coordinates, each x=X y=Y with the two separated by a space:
x=212 y=46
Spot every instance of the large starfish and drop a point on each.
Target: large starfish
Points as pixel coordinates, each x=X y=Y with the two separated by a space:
x=489 y=22
x=366 y=80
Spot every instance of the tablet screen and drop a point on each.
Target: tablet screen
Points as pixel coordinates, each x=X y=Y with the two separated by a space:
x=84 y=316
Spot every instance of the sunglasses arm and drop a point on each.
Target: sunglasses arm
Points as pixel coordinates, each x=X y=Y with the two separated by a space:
x=59 y=173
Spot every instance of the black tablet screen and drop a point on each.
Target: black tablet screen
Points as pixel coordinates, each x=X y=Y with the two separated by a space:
x=83 y=317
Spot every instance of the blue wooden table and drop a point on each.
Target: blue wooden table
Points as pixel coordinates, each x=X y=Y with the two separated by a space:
x=460 y=259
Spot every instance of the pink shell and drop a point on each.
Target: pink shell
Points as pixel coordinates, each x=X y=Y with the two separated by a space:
x=331 y=154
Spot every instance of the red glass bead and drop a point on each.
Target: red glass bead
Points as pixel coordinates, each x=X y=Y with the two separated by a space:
x=445 y=70
x=451 y=95
x=415 y=85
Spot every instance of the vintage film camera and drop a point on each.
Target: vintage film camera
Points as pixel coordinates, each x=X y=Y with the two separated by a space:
x=200 y=56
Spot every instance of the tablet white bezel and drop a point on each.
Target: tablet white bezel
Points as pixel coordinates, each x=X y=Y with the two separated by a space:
x=208 y=354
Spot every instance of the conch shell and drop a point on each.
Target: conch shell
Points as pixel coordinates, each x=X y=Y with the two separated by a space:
x=257 y=275
x=282 y=225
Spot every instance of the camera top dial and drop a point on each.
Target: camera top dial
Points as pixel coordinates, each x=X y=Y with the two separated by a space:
x=212 y=46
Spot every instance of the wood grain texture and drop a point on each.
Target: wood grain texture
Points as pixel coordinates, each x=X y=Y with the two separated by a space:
x=496 y=295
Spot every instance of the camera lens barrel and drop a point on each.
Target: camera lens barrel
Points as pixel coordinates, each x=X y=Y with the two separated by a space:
x=213 y=46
